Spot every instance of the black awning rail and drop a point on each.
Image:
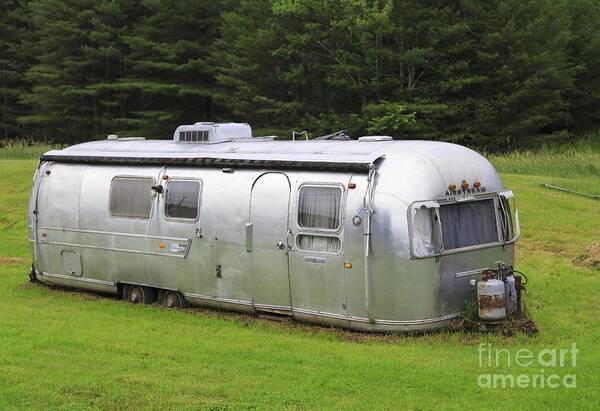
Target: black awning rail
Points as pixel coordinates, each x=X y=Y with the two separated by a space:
x=210 y=162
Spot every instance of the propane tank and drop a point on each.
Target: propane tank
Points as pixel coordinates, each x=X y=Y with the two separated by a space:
x=491 y=300
x=510 y=291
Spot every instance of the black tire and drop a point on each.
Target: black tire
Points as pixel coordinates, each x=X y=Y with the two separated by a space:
x=173 y=299
x=160 y=296
x=123 y=290
x=138 y=294
x=32 y=275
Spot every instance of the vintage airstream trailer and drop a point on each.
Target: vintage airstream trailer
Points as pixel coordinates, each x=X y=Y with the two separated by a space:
x=369 y=234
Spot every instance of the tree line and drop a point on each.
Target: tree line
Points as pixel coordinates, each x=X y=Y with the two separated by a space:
x=487 y=73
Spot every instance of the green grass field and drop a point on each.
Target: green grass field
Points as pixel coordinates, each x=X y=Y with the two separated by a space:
x=71 y=350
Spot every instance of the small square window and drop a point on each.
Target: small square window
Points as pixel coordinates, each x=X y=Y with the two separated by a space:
x=181 y=199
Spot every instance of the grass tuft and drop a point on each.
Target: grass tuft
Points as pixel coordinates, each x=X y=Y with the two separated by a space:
x=575 y=166
x=580 y=158
x=24 y=149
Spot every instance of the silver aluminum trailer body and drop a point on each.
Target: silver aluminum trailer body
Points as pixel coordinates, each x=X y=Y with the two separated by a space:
x=378 y=267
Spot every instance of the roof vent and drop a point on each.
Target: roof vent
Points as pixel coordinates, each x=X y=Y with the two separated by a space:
x=375 y=138
x=205 y=132
x=114 y=137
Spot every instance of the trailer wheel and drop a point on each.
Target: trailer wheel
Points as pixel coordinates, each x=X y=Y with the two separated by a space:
x=173 y=299
x=138 y=294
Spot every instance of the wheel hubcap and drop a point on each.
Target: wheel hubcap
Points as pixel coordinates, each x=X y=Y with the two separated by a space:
x=172 y=300
x=136 y=295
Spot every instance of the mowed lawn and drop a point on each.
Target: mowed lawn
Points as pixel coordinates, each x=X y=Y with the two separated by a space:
x=72 y=350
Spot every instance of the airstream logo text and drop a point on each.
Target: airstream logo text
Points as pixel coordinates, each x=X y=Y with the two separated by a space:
x=548 y=368
x=465 y=191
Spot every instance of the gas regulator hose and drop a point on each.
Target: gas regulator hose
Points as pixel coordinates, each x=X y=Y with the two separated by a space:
x=524 y=276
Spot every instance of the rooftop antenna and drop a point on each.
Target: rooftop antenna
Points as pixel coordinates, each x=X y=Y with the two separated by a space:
x=338 y=135
x=299 y=134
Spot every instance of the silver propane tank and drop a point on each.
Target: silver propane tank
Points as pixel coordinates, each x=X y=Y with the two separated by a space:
x=491 y=300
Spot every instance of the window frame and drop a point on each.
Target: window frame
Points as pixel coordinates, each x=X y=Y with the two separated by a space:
x=164 y=200
x=110 y=194
x=437 y=228
x=316 y=231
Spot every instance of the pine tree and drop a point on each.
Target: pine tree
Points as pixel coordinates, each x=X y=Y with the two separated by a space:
x=169 y=77
x=526 y=74
x=584 y=49
x=251 y=79
x=13 y=64
x=78 y=55
x=482 y=73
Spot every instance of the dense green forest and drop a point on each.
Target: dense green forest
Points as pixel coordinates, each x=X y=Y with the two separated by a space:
x=491 y=73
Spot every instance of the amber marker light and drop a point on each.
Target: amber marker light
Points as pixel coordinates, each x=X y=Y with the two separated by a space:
x=476 y=184
x=347 y=266
x=452 y=187
x=464 y=185
x=162 y=245
x=351 y=185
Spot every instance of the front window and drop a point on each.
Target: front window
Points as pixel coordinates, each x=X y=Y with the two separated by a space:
x=446 y=226
x=506 y=219
x=468 y=224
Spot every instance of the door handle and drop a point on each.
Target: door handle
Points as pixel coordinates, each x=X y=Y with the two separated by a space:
x=280 y=245
x=288 y=243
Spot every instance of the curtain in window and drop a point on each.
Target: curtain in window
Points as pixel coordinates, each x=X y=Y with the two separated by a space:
x=319 y=207
x=422 y=230
x=467 y=224
x=321 y=243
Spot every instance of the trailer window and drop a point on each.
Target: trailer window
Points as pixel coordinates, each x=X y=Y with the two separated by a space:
x=319 y=207
x=181 y=199
x=131 y=197
x=323 y=243
x=468 y=224
x=506 y=219
x=424 y=240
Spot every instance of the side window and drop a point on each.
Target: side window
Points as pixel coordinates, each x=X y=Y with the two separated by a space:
x=319 y=207
x=323 y=243
x=181 y=199
x=319 y=212
x=131 y=197
x=506 y=219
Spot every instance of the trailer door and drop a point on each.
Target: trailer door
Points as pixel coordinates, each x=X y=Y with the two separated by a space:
x=316 y=254
x=266 y=240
